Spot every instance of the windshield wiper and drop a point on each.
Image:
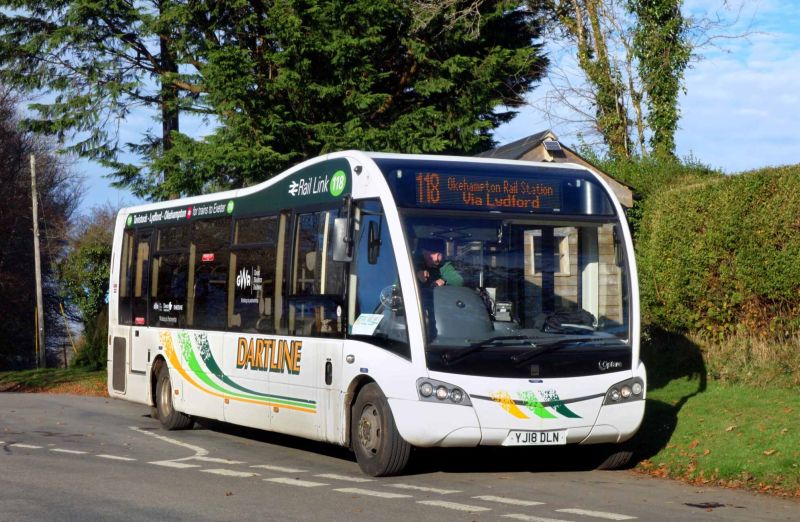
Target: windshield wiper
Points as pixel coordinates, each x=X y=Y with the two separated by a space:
x=523 y=358
x=454 y=356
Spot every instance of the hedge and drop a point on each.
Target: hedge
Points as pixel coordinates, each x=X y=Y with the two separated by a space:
x=722 y=255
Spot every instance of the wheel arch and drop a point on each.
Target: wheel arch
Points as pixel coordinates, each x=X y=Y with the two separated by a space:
x=349 y=400
x=158 y=362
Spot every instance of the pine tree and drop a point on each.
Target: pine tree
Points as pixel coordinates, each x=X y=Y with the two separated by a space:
x=284 y=80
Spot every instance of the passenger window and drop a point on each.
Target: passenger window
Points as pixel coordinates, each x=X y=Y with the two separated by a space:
x=126 y=263
x=318 y=282
x=253 y=262
x=170 y=273
x=210 y=249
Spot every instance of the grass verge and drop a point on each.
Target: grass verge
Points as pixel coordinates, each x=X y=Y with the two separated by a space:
x=76 y=381
x=728 y=435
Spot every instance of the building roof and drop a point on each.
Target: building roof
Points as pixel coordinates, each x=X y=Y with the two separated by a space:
x=544 y=146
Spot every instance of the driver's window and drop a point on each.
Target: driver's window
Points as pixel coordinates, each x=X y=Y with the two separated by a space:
x=379 y=312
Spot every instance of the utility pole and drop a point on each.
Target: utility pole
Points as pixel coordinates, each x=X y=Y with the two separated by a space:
x=41 y=361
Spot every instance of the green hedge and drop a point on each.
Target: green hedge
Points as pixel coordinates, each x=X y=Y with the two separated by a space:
x=722 y=255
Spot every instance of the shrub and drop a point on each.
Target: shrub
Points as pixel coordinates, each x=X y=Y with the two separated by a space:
x=723 y=255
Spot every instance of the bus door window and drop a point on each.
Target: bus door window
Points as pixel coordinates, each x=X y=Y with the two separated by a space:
x=126 y=266
x=141 y=278
x=210 y=250
x=253 y=261
x=317 y=283
x=379 y=315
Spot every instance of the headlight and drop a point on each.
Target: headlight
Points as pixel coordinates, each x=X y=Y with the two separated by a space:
x=625 y=391
x=426 y=389
x=432 y=390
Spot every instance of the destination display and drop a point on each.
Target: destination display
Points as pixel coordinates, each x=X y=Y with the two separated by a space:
x=480 y=192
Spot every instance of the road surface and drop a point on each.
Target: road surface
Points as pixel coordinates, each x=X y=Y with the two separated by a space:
x=69 y=458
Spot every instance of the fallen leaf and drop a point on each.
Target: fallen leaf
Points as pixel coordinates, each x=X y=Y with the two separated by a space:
x=731 y=428
x=706 y=452
x=694 y=444
x=229 y=493
x=770 y=452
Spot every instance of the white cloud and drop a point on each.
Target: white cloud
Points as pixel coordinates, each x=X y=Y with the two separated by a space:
x=741 y=109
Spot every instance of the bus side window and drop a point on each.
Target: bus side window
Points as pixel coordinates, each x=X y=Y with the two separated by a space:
x=253 y=262
x=170 y=277
x=317 y=282
x=126 y=264
x=210 y=250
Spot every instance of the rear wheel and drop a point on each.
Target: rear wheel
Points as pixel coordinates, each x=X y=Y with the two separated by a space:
x=170 y=418
x=379 y=448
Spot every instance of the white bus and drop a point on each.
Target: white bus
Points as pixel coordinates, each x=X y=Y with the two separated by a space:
x=304 y=305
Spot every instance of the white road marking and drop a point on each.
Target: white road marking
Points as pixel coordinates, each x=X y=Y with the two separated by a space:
x=114 y=457
x=346 y=478
x=423 y=488
x=230 y=473
x=173 y=464
x=510 y=501
x=453 y=505
x=295 y=482
x=596 y=514
x=280 y=469
x=531 y=518
x=71 y=452
x=371 y=493
x=218 y=461
x=199 y=452
x=24 y=446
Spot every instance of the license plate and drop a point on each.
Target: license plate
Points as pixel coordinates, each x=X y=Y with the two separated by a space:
x=536 y=438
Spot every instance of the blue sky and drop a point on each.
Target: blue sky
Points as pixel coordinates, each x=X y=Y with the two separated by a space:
x=740 y=111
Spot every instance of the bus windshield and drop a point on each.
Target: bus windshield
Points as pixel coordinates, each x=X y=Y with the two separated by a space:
x=499 y=291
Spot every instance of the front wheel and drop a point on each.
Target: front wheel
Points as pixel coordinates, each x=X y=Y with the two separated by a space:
x=379 y=448
x=170 y=418
x=616 y=459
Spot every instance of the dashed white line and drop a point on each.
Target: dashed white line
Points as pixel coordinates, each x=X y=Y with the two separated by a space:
x=509 y=501
x=453 y=505
x=279 y=469
x=596 y=514
x=423 y=488
x=218 y=461
x=115 y=457
x=173 y=464
x=230 y=473
x=531 y=518
x=346 y=478
x=199 y=452
x=71 y=452
x=371 y=493
x=295 y=482
x=24 y=446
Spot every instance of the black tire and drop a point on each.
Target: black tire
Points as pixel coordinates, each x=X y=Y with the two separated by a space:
x=170 y=418
x=619 y=459
x=379 y=448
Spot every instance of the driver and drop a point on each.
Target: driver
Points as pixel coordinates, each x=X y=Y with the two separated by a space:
x=432 y=269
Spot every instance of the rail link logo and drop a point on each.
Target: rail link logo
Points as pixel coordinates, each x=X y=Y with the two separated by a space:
x=333 y=185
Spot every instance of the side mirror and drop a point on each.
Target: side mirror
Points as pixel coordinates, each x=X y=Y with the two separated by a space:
x=342 y=242
x=373 y=243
